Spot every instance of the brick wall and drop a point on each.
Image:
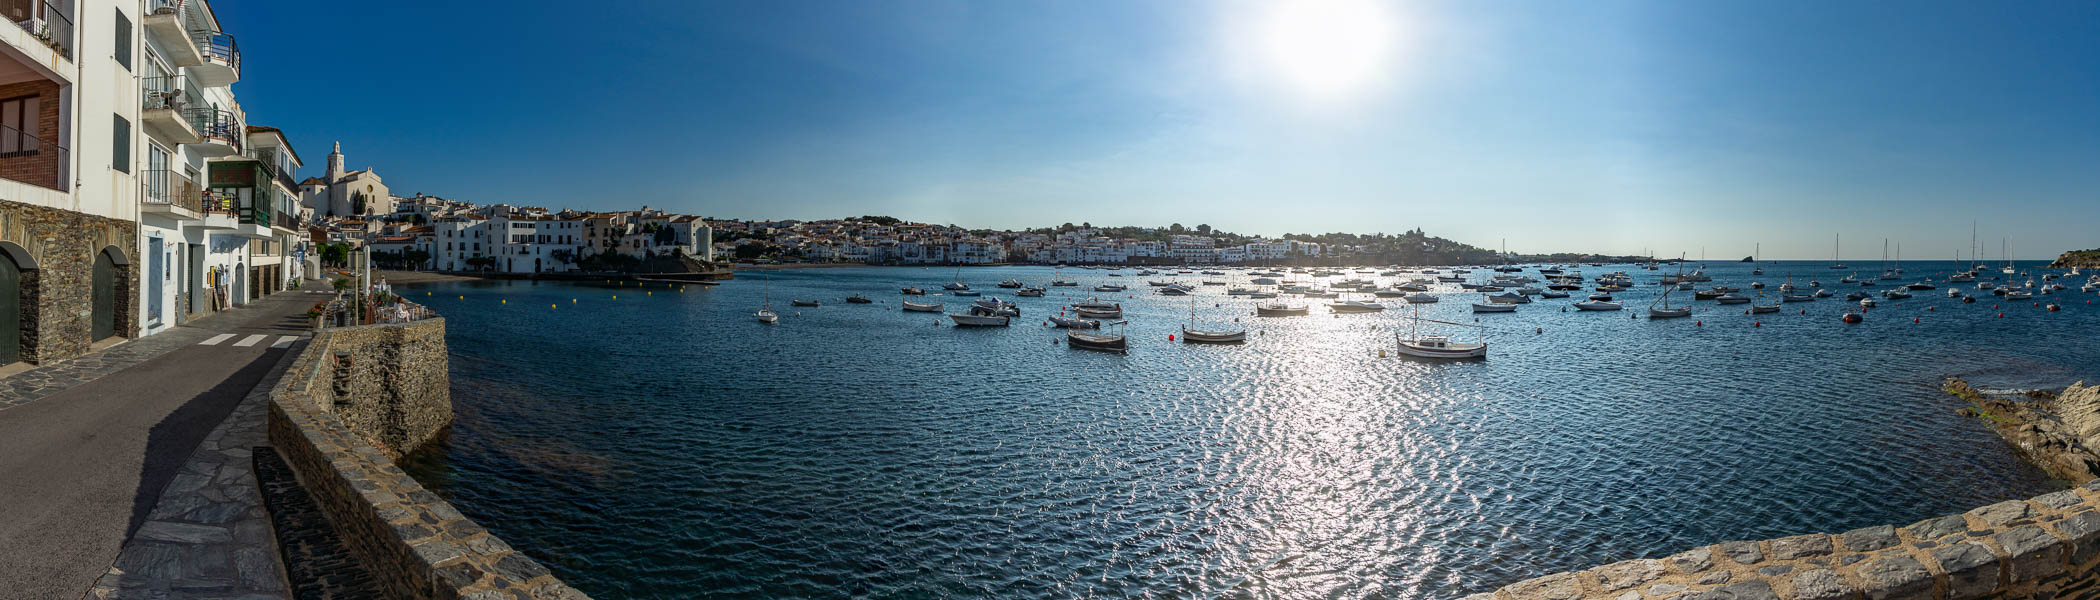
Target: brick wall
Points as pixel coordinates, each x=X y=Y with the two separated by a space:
x=43 y=167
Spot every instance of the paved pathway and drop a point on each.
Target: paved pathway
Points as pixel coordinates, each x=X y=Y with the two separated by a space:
x=146 y=441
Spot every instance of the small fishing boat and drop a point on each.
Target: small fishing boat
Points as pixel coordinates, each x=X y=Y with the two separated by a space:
x=857 y=299
x=1597 y=305
x=996 y=306
x=1600 y=297
x=1009 y=283
x=917 y=307
x=1553 y=294
x=1173 y=291
x=1922 y=285
x=2019 y=295
x=1420 y=298
x=804 y=303
x=1661 y=308
x=1191 y=335
x=1854 y=317
x=1857 y=296
x=1437 y=346
x=1866 y=303
x=978 y=320
x=1490 y=307
x=765 y=313
x=1099 y=342
x=966 y=293
x=1509 y=298
x=1075 y=323
x=1758 y=309
x=1732 y=298
x=1280 y=309
x=1354 y=306
x=1064 y=283
x=1895 y=294
x=912 y=291
x=1797 y=298
x=1109 y=288
x=1822 y=293
x=1031 y=292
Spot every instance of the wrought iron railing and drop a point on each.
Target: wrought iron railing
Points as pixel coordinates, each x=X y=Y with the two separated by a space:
x=167 y=187
x=217 y=124
x=45 y=20
x=30 y=159
x=219 y=48
x=349 y=309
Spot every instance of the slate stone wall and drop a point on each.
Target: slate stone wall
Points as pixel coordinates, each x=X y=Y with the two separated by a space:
x=58 y=297
x=2043 y=548
x=416 y=544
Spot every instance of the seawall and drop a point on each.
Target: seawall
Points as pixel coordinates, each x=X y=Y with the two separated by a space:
x=353 y=402
x=2041 y=548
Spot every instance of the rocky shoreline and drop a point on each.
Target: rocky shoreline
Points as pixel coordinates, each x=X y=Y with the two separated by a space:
x=2056 y=431
x=2089 y=259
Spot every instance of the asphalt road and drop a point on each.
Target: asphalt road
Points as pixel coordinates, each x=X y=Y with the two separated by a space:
x=80 y=469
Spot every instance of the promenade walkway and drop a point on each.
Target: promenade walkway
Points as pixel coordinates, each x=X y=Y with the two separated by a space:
x=143 y=448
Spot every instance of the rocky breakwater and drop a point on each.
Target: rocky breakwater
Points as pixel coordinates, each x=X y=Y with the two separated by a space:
x=2041 y=548
x=354 y=401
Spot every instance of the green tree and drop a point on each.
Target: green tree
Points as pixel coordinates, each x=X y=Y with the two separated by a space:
x=1203 y=229
x=337 y=254
x=665 y=236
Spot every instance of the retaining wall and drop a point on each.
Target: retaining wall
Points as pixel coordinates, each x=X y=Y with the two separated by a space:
x=2042 y=548
x=351 y=387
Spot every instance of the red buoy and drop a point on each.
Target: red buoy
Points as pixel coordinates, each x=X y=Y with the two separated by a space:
x=1170 y=337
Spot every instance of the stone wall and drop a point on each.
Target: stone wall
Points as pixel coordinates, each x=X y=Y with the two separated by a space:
x=415 y=543
x=58 y=296
x=389 y=384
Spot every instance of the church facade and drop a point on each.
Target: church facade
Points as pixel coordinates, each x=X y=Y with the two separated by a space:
x=343 y=194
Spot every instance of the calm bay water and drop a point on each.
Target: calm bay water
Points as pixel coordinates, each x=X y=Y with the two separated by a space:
x=666 y=445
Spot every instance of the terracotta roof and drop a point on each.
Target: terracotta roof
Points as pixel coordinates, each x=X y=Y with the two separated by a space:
x=315 y=180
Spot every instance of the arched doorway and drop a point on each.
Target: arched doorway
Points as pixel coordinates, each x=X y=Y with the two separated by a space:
x=13 y=261
x=104 y=319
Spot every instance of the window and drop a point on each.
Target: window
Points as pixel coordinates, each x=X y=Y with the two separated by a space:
x=120 y=156
x=123 y=40
x=20 y=117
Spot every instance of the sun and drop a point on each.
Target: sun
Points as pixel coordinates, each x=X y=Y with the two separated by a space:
x=1326 y=48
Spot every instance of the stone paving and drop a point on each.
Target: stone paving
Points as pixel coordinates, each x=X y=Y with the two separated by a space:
x=44 y=380
x=208 y=536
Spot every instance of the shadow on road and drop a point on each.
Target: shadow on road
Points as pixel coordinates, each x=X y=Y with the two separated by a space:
x=170 y=442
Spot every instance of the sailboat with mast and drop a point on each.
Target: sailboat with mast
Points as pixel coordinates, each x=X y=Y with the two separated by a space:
x=1661 y=308
x=957 y=284
x=2002 y=249
x=1191 y=335
x=1757 y=268
x=1887 y=273
x=1437 y=346
x=1834 y=264
x=765 y=313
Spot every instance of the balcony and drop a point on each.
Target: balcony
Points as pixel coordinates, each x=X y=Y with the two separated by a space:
x=170 y=22
x=223 y=133
x=168 y=192
x=165 y=99
x=49 y=23
x=33 y=160
x=222 y=59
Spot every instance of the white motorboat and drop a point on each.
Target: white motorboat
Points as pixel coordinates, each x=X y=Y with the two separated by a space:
x=1354 y=306
x=1490 y=307
x=1597 y=305
x=1032 y=292
x=767 y=316
x=2019 y=295
x=1508 y=298
x=1732 y=298
x=1553 y=294
x=1866 y=303
x=1420 y=298
x=1010 y=284
x=979 y=320
x=918 y=307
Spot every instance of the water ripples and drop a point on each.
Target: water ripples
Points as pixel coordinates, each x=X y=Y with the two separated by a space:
x=666 y=445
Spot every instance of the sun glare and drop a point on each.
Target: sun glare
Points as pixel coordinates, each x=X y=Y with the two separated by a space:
x=1326 y=48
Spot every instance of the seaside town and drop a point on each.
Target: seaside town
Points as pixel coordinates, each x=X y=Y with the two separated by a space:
x=233 y=369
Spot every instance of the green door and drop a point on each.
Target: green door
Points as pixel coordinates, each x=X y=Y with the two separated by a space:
x=10 y=311
x=105 y=296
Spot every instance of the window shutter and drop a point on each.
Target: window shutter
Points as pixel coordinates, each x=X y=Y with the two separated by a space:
x=120 y=156
x=123 y=40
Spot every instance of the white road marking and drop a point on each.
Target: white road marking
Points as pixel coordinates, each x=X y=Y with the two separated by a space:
x=214 y=341
x=284 y=341
x=250 y=340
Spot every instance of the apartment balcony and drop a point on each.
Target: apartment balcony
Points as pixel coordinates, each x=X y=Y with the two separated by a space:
x=163 y=114
x=33 y=160
x=222 y=60
x=220 y=210
x=222 y=130
x=50 y=23
x=171 y=23
x=167 y=192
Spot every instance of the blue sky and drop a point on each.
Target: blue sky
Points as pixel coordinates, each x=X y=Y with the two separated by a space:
x=1562 y=126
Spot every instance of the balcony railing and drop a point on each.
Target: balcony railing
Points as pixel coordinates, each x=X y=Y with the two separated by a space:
x=220 y=202
x=167 y=187
x=29 y=159
x=171 y=92
x=47 y=21
x=219 y=48
x=218 y=125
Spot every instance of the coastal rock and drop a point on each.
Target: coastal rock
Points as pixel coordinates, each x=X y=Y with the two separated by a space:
x=1693 y=561
x=1972 y=570
x=1932 y=529
x=1895 y=578
x=1558 y=586
x=2034 y=553
x=1800 y=546
x=1665 y=589
x=2083 y=530
x=1743 y=590
x=2060 y=500
x=2076 y=258
x=1745 y=553
x=1820 y=584
x=1866 y=539
x=2003 y=513
x=1621 y=575
x=1716 y=577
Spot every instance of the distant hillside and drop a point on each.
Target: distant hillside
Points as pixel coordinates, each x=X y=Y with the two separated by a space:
x=2078 y=258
